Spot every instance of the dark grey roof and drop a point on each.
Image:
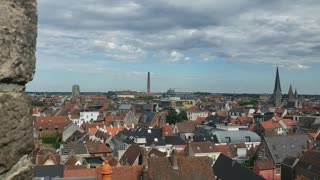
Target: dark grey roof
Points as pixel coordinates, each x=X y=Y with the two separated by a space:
x=227 y=169
x=49 y=172
x=174 y=140
x=154 y=136
x=239 y=110
x=125 y=107
x=215 y=120
x=236 y=136
x=202 y=138
x=148 y=116
x=94 y=161
x=203 y=130
x=76 y=148
x=289 y=161
x=282 y=146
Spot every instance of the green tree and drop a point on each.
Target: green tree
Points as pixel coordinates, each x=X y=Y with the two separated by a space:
x=183 y=116
x=173 y=117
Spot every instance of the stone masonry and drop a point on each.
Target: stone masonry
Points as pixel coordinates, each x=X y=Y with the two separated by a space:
x=18 y=33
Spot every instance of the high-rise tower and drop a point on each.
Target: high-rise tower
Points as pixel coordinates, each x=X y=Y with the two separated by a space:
x=75 y=90
x=277 y=93
x=148 y=84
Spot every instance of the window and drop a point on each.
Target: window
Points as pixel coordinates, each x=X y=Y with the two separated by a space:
x=248 y=139
x=228 y=140
x=260 y=154
x=278 y=169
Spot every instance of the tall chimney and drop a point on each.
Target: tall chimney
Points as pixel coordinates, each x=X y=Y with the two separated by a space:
x=148 y=84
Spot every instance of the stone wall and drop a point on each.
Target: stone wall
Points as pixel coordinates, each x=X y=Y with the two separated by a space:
x=18 y=32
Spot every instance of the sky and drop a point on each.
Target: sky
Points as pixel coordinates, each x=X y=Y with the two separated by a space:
x=203 y=45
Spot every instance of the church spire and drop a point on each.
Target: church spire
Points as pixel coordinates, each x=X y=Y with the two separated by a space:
x=295 y=93
x=290 y=94
x=277 y=93
x=277 y=85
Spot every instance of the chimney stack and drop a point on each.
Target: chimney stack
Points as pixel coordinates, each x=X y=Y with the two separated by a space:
x=148 y=84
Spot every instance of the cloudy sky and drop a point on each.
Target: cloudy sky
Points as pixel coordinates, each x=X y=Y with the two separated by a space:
x=205 y=45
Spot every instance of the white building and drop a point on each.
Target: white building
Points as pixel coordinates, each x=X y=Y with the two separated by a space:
x=194 y=112
x=88 y=116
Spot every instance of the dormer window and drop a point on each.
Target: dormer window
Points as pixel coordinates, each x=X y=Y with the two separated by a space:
x=248 y=139
x=228 y=140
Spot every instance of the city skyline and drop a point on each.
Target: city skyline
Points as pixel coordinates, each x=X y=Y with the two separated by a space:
x=205 y=46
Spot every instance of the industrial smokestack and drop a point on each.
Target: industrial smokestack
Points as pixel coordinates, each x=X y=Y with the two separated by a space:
x=148 y=84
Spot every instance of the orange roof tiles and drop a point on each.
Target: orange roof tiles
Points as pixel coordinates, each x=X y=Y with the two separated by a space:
x=289 y=122
x=270 y=124
x=112 y=130
x=200 y=120
x=167 y=130
x=52 y=119
x=193 y=109
x=78 y=173
x=226 y=150
x=110 y=119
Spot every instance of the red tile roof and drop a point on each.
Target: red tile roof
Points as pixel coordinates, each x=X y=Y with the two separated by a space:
x=49 y=125
x=270 y=124
x=97 y=148
x=52 y=119
x=226 y=150
x=202 y=147
x=252 y=127
x=289 y=122
x=110 y=119
x=245 y=120
x=112 y=130
x=200 y=120
x=111 y=160
x=167 y=130
x=222 y=113
x=193 y=109
x=79 y=173
x=185 y=127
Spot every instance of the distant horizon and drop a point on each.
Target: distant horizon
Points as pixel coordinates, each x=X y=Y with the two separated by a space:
x=213 y=93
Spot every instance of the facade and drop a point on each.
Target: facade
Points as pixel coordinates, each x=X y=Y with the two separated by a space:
x=88 y=116
x=75 y=91
x=277 y=148
x=194 y=112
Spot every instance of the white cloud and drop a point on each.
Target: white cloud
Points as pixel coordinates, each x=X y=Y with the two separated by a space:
x=267 y=32
x=176 y=56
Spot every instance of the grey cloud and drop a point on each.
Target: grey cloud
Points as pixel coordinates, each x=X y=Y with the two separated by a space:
x=250 y=31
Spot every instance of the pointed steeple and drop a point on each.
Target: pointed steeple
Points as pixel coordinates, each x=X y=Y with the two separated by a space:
x=277 y=92
x=290 y=94
x=277 y=85
x=295 y=93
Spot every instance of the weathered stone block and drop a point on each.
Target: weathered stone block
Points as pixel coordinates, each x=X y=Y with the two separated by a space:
x=16 y=130
x=18 y=32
